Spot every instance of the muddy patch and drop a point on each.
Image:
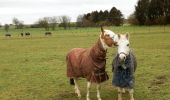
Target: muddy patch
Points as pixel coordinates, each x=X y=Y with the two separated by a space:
x=159 y=80
x=65 y=95
x=155 y=83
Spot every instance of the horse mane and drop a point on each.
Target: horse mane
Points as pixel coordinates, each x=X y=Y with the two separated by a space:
x=98 y=54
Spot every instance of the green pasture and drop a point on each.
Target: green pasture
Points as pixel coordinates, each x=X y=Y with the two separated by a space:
x=34 y=68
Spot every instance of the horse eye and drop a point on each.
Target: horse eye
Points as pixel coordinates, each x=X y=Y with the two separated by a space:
x=116 y=45
x=127 y=44
x=107 y=35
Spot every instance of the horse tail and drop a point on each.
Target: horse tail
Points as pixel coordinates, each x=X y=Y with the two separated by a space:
x=72 y=81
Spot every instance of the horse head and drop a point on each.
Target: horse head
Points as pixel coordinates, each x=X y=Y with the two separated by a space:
x=123 y=46
x=107 y=38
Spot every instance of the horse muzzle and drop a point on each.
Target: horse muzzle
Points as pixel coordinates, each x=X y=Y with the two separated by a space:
x=122 y=56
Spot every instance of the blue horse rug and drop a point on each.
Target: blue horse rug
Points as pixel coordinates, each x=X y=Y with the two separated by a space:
x=123 y=75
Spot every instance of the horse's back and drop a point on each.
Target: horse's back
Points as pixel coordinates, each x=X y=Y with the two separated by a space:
x=75 y=53
x=73 y=59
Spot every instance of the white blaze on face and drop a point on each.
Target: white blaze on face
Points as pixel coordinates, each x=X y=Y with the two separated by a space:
x=111 y=35
x=123 y=47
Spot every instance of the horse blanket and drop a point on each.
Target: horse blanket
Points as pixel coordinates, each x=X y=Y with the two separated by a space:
x=87 y=63
x=123 y=75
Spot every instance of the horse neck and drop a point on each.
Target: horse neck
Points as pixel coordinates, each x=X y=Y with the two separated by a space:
x=98 y=53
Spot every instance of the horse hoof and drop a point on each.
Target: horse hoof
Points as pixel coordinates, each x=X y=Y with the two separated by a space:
x=119 y=98
x=123 y=90
x=79 y=96
x=99 y=99
x=88 y=98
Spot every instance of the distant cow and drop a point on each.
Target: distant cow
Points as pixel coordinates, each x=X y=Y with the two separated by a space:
x=48 y=33
x=27 y=34
x=7 y=35
x=22 y=34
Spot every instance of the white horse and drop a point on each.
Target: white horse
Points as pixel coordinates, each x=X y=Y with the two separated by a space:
x=124 y=66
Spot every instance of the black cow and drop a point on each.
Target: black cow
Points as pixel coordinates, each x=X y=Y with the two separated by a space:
x=48 y=33
x=22 y=34
x=7 y=35
x=27 y=34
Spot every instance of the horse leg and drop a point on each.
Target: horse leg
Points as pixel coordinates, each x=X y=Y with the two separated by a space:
x=119 y=93
x=77 y=91
x=88 y=90
x=98 y=92
x=131 y=94
x=123 y=90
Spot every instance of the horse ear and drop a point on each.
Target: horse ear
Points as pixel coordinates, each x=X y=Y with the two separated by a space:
x=118 y=36
x=102 y=30
x=127 y=35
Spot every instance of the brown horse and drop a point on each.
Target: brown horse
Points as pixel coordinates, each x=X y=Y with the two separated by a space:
x=90 y=63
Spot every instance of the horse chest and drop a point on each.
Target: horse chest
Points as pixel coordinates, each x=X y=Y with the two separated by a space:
x=123 y=75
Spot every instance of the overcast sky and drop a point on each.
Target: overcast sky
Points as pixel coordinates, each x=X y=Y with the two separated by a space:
x=31 y=10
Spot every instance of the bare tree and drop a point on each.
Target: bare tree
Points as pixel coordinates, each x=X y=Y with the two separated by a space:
x=44 y=22
x=21 y=25
x=0 y=25
x=15 y=22
x=132 y=20
x=65 y=21
x=53 y=22
x=18 y=24
x=79 y=22
x=6 y=27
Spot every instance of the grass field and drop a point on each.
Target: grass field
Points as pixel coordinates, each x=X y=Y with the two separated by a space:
x=34 y=68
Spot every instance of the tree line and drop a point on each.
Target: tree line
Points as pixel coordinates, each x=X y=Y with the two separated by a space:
x=53 y=22
x=92 y=19
x=114 y=17
x=46 y=22
x=95 y=18
x=147 y=12
x=151 y=12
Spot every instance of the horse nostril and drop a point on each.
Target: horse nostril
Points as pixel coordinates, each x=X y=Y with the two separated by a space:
x=124 y=58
